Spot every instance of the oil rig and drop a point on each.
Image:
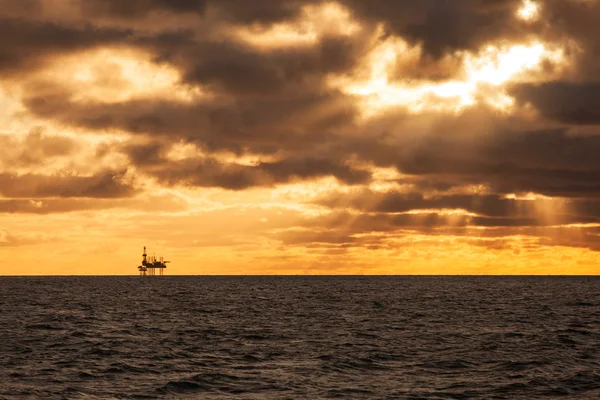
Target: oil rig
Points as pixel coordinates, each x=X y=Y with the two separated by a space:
x=151 y=264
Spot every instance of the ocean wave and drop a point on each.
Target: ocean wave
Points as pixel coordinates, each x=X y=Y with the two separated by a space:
x=295 y=337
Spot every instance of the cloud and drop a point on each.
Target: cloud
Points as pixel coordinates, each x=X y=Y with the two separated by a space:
x=444 y=26
x=351 y=230
x=109 y=184
x=8 y=239
x=239 y=69
x=566 y=102
x=139 y=8
x=34 y=148
x=27 y=45
x=481 y=209
x=210 y=172
x=253 y=125
x=377 y=121
x=147 y=202
x=552 y=162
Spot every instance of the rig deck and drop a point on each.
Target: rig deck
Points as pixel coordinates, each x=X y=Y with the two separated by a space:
x=150 y=264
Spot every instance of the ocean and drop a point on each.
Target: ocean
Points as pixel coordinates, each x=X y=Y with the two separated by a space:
x=299 y=337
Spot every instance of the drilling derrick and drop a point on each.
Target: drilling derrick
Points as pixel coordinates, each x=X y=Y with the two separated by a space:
x=151 y=264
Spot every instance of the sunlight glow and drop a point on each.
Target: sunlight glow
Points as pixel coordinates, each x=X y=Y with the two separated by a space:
x=529 y=11
x=386 y=179
x=315 y=21
x=441 y=211
x=307 y=190
x=527 y=196
x=483 y=75
x=112 y=75
x=497 y=66
x=13 y=117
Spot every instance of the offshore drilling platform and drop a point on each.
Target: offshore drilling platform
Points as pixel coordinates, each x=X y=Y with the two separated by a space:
x=151 y=264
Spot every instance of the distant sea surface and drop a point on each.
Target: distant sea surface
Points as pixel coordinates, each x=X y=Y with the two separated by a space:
x=299 y=337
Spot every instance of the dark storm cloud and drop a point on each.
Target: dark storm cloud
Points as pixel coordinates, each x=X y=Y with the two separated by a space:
x=348 y=230
x=266 y=125
x=146 y=203
x=108 y=184
x=210 y=172
x=47 y=206
x=25 y=45
x=146 y=154
x=313 y=168
x=206 y=173
x=277 y=102
x=131 y=9
x=382 y=222
x=491 y=209
x=241 y=11
x=575 y=24
x=444 y=26
x=550 y=162
x=236 y=68
x=440 y=26
x=260 y=11
x=395 y=202
x=498 y=239
x=571 y=103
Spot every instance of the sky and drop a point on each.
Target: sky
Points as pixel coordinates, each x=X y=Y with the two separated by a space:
x=300 y=136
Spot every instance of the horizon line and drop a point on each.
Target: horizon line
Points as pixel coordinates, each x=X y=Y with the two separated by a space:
x=309 y=275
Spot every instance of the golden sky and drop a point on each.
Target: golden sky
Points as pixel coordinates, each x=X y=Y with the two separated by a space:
x=300 y=136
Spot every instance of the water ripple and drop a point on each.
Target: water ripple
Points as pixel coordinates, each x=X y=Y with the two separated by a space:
x=299 y=337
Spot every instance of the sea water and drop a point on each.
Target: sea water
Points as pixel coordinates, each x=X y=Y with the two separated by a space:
x=300 y=337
